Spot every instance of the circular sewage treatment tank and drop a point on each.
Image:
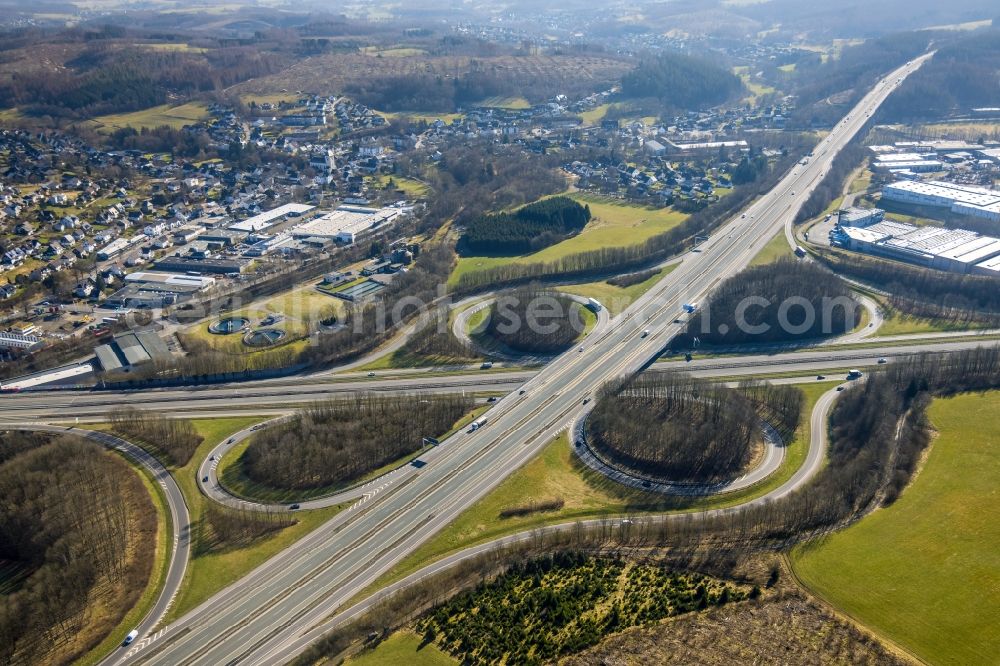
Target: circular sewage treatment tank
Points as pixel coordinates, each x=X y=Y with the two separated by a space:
x=229 y=325
x=264 y=337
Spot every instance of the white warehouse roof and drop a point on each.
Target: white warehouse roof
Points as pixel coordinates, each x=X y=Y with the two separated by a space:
x=270 y=218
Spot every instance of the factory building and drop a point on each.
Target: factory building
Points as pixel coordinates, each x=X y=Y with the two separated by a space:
x=271 y=217
x=347 y=223
x=860 y=217
x=131 y=349
x=959 y=199
x=955 y=250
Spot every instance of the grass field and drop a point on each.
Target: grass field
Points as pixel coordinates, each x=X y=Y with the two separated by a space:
x=614 y=224
x=513 y=103
x=926 y=571
x=556 y=473
x=615 y=299
x=403 y=647
x=898 y=323
x=409 y=186
x=175 y=117
x=393 y=52
x=210 y=572
x=775 y=249
x=426 y=116
x=297 y=307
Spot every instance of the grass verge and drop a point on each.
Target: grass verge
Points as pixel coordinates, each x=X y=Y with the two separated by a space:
x=616 y=299
x=403 y=647
x=212 y=571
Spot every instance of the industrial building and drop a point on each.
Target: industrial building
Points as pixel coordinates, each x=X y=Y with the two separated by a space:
x=955 y=250
x=131 y=349
x=346 y=223
x=188 y=265
x=271 y=217
x=146 y=289
x=11 y=340
x=959 y=199
x=860 y=217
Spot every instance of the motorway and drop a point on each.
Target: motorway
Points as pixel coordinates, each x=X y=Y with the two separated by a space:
x=268 y=616
x=814 y=461
x=260 y=619
x=280 y=397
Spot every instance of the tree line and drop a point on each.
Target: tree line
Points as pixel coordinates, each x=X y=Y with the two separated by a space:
x=112 y=77
x=536 y=320
x=339 y=441
x=174 y=440
x=923 y=292
x=673 y=426
x=816 y=303
x=832 y=186
x=528 y=229
x=79 y=524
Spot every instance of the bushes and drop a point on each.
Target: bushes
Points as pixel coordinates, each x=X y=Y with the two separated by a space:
x=631 y=279
x=339 y=441
x=801 y=300
x=527 y=229
x=673 y=426
x=536 y=321
x=549 y=607
x=174 y=439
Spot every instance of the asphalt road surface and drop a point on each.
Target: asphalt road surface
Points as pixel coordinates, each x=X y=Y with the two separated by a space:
x=263 y=618
x=813 y=463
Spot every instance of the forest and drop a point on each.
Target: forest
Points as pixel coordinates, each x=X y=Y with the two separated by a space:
x=174 y=441
x=339 y=441
x=826 y=88
x=958 y=78
x=680 y=82
x=536 y=320
x=675 y=427
x=112 y=77
x=77 y=534
x=543 y=609
x=528 y=229
x=778 y=302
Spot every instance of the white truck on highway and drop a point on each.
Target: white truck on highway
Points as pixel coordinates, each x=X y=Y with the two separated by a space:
x=477 y=424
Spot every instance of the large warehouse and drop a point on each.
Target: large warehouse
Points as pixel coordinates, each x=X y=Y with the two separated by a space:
x=956 y=250
x=346 y=223
x=960 y=199
x=131 y=349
